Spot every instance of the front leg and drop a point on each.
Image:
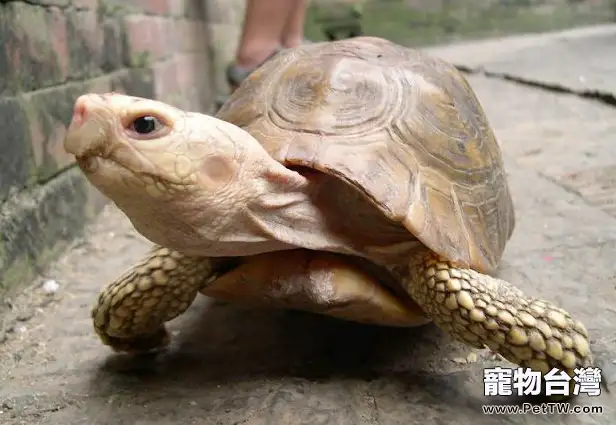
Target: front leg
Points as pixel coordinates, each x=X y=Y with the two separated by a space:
x=130 y=313
x=480 y=310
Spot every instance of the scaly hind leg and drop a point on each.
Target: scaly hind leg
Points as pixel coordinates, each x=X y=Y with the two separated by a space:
x=130 y=313
x=481 y=310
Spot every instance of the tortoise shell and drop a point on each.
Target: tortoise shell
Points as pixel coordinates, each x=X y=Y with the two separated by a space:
x=403 y=128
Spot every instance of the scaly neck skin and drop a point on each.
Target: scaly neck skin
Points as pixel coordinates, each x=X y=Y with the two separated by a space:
x=317 y=211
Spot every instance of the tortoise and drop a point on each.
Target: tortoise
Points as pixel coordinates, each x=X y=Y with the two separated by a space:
x=359 y=148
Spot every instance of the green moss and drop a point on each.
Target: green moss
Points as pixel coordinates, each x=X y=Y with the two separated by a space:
x=38 y=65
x=394 y=20
x=140 y=60
x=30 y=115
x=108 y=8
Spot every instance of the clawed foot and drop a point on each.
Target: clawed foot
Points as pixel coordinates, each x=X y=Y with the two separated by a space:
x=136 y=345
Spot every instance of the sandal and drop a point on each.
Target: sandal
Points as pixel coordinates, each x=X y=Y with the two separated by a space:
x=237 y=74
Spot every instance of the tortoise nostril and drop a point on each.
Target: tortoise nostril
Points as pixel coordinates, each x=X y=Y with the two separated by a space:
x=79 y=111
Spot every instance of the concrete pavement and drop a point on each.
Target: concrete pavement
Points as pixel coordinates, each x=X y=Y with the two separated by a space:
x=233 y=365
x=578 y=60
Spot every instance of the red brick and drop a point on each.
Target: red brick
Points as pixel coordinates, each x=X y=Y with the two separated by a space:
x=158 y=37
x=192 y=36
x=185 y=35
x=113 y=51
x=145 y=34
x=86 y=43
x=59 y=40
x=221 y=12
x=154 y=7
x=51 y=2
x=86 y=4
x=177 y=7
x=99 y=85
x=48 y=142
x=183 y=75
x=15 y=159
x=49 y=112
x=184 y=71
x=158 y=7
x=171 y=37
x=135 y=82
x=166 y=78
x=33 y=51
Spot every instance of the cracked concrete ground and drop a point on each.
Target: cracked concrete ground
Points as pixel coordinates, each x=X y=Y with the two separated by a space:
x=234 y=365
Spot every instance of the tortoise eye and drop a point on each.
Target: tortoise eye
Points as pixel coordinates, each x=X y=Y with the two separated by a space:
x=145 y=125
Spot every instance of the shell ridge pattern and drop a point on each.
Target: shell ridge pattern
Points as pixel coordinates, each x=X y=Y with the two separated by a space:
x=462 y=222
x=335 y=99
x=430 y=133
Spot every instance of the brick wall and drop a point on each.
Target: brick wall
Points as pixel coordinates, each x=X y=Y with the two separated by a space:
x=53 y=51
x=225 y=22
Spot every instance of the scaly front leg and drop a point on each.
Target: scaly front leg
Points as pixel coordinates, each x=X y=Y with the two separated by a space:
x=131 y=311
x=480 y=310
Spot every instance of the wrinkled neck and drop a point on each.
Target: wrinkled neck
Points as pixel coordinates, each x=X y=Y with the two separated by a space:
x=323 y=212
x=289 y=209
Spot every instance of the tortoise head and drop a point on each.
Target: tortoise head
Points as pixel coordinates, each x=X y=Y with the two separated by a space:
x=184 y=179
x=144 y=149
